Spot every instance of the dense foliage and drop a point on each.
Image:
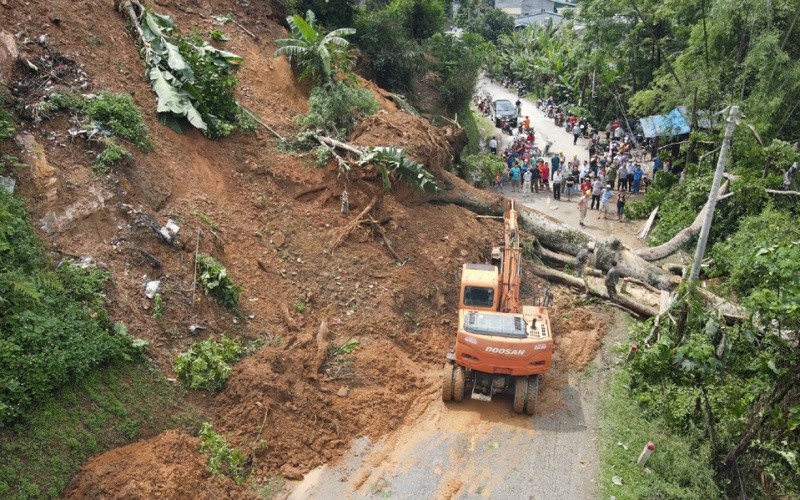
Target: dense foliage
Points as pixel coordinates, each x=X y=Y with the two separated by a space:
x=455 y=63
x=318 y=56
x=336 y=109
x=53 y=326
x=393 y=58
x=193 y=80
x=206 y=365
x=476 y=16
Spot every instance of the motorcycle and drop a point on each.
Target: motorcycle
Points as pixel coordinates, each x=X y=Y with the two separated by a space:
x=559 y=119
x=550 y=111
x=547 y=146
x=505 y=126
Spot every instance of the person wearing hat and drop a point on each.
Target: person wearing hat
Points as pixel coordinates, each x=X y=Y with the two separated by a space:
x=583 y=203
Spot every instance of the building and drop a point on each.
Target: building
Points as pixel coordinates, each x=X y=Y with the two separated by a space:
x=542 y=18
x=527 y=7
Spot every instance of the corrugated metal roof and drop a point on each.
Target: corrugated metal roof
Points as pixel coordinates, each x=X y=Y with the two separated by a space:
x=671 y=124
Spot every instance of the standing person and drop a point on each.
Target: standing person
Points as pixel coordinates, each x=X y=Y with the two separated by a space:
x=557 y=177
x=534 y=177
x=586 y=185
x=605 y=199
x=526 y=182
x=580 y=265
x=570 y=184
x=597 y=190
x=657 y=164
x=621 y=206
x=576 y=132
x=637 y=178
x=622 y=175
x=582 y=206
x=514 y=173
x=493 y=145
x=498 y=180
x=611 y=175
x=544 y=175
x=518 y=105
x=612 y=278
x=555 y=162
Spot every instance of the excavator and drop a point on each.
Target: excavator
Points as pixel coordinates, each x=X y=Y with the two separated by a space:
x=502 y=346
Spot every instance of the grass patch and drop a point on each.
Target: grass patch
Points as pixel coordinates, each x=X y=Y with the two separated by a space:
x=108 y=408
x=677 y=469
x=466 y=119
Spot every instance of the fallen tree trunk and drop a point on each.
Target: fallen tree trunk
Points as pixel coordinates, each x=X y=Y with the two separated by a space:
x=683 y=236
x=554 y=235
x=595 y=289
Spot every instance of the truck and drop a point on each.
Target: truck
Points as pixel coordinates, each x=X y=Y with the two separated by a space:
x=502 y=346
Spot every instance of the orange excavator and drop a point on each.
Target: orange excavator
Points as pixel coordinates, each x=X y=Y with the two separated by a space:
x=502 y=346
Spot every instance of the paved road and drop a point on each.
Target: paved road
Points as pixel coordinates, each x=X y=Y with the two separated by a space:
x=474 y=450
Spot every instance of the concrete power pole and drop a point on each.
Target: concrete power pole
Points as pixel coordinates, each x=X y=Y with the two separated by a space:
x=712 y=196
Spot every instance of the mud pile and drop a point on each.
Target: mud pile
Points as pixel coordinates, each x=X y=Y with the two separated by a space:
x=167 y=466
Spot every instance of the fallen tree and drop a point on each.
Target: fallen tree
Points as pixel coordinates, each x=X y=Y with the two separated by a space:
x=596 y=288
x=683 y=236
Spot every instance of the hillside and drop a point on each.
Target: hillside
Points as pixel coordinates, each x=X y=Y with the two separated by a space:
x=274 y=217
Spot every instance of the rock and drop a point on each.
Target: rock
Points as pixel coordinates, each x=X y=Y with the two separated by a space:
x=8 y=183
x=8 y=56
x=343 y=391
x=278 y=239
x=151 y=288
x=291 y=473
x=195 y=328
x=33 y=154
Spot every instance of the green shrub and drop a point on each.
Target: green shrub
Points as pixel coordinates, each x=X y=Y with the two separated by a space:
x=7 y=127
x=213 y=87
x=111 y=155
x=338 y=108
x=119 y=114
x=420 y=19
x=394 y=60
x=486 y=164
x=223 y=459
x=456 y=62
x=54 y=325
x=466 y=118
x=206 y=365
x=158 y=306
x=115 y=112
x=216 y=282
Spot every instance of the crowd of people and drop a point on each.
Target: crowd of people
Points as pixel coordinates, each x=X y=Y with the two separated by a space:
x=595 y=182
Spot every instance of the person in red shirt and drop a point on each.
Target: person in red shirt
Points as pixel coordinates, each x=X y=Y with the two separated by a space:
x=544 y=174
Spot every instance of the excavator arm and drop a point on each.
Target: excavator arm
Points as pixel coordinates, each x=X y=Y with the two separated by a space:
x=510 y=267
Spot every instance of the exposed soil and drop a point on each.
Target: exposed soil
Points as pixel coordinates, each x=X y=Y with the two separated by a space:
x=277 y=216
x=168 y=466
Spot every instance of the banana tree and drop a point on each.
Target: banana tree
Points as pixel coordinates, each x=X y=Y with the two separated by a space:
x=319 y=56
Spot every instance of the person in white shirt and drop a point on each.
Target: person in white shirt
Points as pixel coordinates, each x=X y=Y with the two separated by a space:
x=526 y=182
x=493 y=146
x=557 y=178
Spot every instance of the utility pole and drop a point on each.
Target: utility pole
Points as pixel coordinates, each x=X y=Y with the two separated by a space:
x=712 y=196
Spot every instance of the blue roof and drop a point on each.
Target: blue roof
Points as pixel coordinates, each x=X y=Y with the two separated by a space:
x=671 y=124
